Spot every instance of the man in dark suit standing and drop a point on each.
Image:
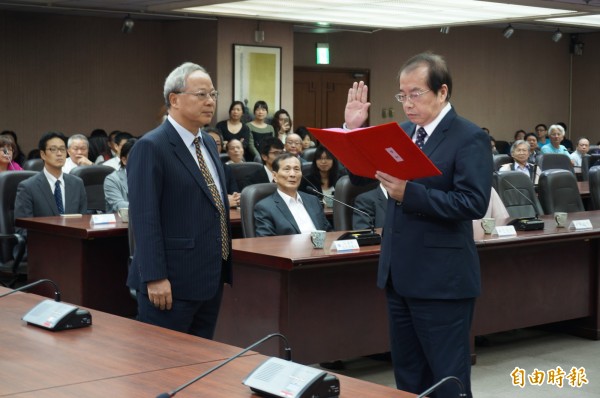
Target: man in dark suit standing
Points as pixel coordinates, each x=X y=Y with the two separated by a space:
x=179 y=211
x=429 y=266
x=51 y=192
x=288 y=211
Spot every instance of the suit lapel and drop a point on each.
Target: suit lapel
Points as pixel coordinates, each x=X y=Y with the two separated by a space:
x=439 y=134
x=285 y=211
x=44 y=187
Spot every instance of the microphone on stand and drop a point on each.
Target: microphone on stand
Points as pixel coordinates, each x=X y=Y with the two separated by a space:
x=364 y=237
x=525 y=223
x=443 y=381
x=26 y=287
x=288 y=354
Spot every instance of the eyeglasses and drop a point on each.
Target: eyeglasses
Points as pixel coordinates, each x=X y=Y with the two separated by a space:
x=293 y=143
x=6 y=148
x=78 y=148
x=276 y=153
x=55 y=150
x=202 y=96
x=412 y=97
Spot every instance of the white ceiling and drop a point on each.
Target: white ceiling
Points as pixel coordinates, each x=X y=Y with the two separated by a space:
x=366 y=15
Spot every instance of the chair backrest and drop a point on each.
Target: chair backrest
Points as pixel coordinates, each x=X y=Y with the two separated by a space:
x=503 y=147
x=548 y=161
x=559 y=192
x=500 y=160
x=346 y=192
x=33 y=165
x=93 y=180
x=9 y=181
x=306 y=168
x=224 y=157
x=250 y=196
x=594 y=181
x=517 y=193
x=241 y=171
x=309 y=154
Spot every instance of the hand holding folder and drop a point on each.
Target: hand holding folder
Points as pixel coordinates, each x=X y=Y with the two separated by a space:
x=384 y=148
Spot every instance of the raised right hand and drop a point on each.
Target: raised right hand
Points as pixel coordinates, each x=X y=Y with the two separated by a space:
x=357 y=107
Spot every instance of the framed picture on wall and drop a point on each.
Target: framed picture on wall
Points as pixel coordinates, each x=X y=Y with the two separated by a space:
x=257 y=75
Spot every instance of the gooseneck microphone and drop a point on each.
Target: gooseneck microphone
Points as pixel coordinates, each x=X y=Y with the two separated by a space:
x=371 y=222
x=27 y=287
x=433 y=388
x=525 y=223
x=288 y=356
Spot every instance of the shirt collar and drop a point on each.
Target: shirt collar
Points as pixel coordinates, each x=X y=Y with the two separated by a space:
x=186 y=135
x=288 y=199
x=53 y=179
x=430 y=128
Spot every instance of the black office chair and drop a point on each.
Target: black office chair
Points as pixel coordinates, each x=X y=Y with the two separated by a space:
x=347 y=192
x=500 y=160
x=250 y=196
x=93 y=179
x=33 y=165
x=519 y=198
x=558 y=191
x=594 y=181
x=13 y=266
x=224 y=157
x=306 y=168
x=503 y=147
x=548 y=161
x=309 y=154
x=241 y=171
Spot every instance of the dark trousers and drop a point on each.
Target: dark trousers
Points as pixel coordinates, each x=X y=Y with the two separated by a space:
x=193 y=317
x=429 y=341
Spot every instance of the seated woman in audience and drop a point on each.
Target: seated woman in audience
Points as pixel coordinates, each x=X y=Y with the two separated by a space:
x=235 y=128
x=116 y=192
x=520 y=154
x=534 y=149
x=556 y=134
x=307 y=141
x=99 y=150
x=7 y=149
x=259 y=128
x=519 y=135
x=282 y=124
x=18 y=155
x=235 y=150
x=324 y=173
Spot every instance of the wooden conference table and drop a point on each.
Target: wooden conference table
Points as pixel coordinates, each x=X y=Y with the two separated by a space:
x=119 y=357
x=329 y=307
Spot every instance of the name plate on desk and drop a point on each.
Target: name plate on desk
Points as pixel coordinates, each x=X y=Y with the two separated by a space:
x=579 y=225
x=103 y=219
x=504 y=230
x=345 y=245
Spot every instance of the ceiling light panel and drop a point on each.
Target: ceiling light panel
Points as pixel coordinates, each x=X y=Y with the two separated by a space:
x=583 y=20
x=393 y=14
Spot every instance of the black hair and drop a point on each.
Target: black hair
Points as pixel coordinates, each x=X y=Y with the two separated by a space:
x=48 y=136
x=438 y=73
x=283 y=156
x=261 y=104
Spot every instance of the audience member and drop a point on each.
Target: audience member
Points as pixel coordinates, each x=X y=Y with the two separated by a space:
x=583 y=147
x=99 y=133
x=288 y=211
x=216 y=135
x=111 y=142
x=493 y=145
x=270 y=149
x=7 y=149
x=542 y=134
x=235 y=150
x=116 y=192
x=259 y=129
x=374 y=203
x=556 y=134
x=307 y=141
x=120 y=140
x=50 y=192
x=534 y=149
x=293 y=145
x=34 y=154
x=18 y=155
x=324 y=173
x=282 y=124
x=566 y=142
x=519 y=135
x=78 y=148
x=234 y=127
x=99 y=150
x=519 y=151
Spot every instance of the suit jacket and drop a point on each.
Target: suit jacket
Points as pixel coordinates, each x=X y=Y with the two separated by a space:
x=35 y=198
x=258 y=177
x=273 y=217
x=174 y=217
x=373 y=203
x=115 y=191
x=427 y=248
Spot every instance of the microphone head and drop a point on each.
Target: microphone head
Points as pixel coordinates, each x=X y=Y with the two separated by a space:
x=164 y=395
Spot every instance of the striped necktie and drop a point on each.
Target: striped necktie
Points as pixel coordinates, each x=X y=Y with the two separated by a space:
x=421 y=135
x=58 y=198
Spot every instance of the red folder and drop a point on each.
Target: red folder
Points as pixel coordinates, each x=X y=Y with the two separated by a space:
x=384 y=148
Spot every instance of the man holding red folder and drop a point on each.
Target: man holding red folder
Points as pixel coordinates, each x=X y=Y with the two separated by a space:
x=429 y=266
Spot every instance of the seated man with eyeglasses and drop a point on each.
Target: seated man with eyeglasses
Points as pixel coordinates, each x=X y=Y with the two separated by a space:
x=78 y=148
x=293 y=145
x=50 y=192
x=270 y=148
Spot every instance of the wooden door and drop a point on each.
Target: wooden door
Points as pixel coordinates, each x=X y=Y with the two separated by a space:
x=320 y=95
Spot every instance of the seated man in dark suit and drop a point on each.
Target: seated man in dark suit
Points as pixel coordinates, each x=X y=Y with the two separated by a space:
x=51 y=192
x=374 y=203
x=270 y=148
x=287 y=211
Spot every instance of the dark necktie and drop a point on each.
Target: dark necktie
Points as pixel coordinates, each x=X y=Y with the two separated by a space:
x=421 y=135
x=58 y=198
x=216 y=197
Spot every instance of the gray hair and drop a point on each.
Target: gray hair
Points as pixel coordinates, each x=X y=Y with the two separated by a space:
x=78 y=137
x=557 y=127
x=515 y=144
x=175 y=82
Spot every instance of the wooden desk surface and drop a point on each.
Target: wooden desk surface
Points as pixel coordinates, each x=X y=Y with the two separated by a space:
x=75 y=227
x=119 y=357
